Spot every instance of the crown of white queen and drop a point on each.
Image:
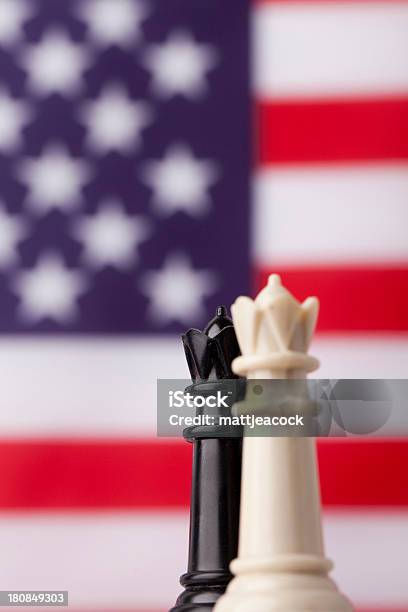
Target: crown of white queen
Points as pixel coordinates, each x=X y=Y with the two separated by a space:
x=274 y=330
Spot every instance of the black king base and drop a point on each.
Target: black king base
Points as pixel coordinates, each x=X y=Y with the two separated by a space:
x=216 y=477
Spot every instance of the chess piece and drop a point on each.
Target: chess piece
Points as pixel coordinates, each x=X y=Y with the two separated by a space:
x=281 y=564
x=216 y=476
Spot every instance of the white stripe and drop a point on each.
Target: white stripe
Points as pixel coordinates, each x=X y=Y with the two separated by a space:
x=134 y=560
x=55 y=388
x=361 y=355
x=84 y=387
x=323 y=215
x=111 y=561
x=369 y=557
x=315 y=49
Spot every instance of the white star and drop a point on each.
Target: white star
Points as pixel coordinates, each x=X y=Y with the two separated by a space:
x=54 y=179
x=111 y=237
x=13 y=13
x=180 y=181
x=115 y=121
x=12 y=230
x=49 y=291
x=56 y=64
x=114 y=22
x=179 y=66
x=177 y=291
x=14 y=115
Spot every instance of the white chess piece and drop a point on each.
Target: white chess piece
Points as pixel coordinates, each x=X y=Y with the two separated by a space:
x=281 y=564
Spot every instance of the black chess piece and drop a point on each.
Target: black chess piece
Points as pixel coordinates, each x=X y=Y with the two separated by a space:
x=216 y=477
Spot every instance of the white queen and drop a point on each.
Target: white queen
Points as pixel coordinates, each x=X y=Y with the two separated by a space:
x=281 y=564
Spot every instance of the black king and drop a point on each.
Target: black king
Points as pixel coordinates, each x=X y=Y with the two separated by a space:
x=216 y=477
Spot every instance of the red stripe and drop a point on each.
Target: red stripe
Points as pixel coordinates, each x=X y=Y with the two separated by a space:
x=364 y=473
x=351 y=298
x=94 y=474
x=326 y=131
x=86 y=475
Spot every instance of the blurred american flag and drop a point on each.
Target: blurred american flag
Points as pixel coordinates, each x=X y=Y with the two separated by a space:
x=125 y=169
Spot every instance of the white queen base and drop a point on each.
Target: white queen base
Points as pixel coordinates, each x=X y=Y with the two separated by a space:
x=258 y=587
